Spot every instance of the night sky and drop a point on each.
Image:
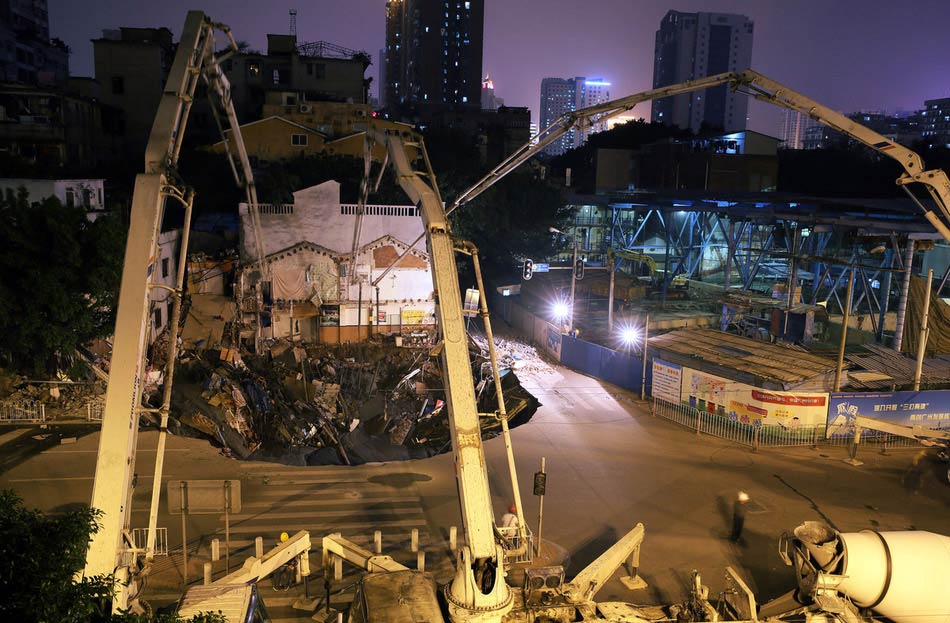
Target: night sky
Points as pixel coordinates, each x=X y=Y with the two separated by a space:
x=848 y=54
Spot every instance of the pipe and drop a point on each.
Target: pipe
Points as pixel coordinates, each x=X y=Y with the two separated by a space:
x=885 y=293
x=172 y=355
x=844 y=330
x=924 y=332
x=902 y=303
x=502 y=412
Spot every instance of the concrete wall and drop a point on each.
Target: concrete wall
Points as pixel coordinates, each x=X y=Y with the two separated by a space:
x=316 y=217
x=88 y=193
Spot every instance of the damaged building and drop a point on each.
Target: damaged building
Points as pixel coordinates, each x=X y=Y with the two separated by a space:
x=310 y=285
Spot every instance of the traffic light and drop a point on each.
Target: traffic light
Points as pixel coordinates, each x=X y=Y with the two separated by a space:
x=527 y=270
x=579 y=269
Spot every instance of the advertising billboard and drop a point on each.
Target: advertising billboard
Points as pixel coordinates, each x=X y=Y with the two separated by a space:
x=752 y=405
x=930 y=409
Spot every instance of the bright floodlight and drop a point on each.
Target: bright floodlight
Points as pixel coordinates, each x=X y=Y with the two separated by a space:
x=629 y=335
x=560 y=310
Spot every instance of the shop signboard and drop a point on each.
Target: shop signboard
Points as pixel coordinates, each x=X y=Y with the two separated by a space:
x=667 y=379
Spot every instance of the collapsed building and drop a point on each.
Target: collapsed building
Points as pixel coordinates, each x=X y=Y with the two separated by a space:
x=312 y=284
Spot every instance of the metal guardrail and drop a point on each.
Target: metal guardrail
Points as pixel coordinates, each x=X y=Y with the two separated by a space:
x=512 y=536
x=13 y=411
x=140 y=539
x=767 y=436
x=94 y=410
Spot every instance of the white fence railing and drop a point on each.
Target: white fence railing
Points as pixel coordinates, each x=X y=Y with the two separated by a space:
x=22 y=411
x=512 y=538
x=94 y=410
x=769 y=436
x=140 y=540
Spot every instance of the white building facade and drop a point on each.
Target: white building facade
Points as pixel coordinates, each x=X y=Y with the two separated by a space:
x=314 y=289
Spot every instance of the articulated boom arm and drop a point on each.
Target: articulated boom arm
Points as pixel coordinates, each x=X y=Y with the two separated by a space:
x=478 y=590
x=935 y=180
x=762 y=88
x=569 y=121
x=112 y=490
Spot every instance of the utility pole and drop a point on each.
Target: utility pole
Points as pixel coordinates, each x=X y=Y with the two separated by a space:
x=570 y=325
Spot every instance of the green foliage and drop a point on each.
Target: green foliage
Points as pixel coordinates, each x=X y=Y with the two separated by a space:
x=59 y=279
x=40 y=556
x=511 y=220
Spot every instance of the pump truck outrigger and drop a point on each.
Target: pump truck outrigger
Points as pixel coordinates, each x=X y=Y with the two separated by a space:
x=478 y=592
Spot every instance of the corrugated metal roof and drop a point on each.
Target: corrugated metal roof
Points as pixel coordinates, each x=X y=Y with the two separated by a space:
x=746 y=360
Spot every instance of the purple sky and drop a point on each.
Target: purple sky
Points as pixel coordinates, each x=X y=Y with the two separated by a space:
x=847 y=54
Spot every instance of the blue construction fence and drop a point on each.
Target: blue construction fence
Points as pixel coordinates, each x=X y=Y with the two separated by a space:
x=622 y=369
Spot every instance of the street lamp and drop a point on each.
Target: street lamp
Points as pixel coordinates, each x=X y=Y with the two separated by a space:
x=570 y=315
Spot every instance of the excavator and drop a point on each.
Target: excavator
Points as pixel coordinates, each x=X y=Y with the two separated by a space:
x=841 y=577
x=638 y=278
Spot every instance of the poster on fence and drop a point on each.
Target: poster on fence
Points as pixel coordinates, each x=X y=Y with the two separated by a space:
x=667 y=378
x=930 y=409
x=752 y=405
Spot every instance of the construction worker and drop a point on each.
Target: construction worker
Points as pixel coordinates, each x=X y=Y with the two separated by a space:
x=510 y=519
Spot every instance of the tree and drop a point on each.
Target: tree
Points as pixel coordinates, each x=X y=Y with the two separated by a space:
x=59 y=279
x=40 y=556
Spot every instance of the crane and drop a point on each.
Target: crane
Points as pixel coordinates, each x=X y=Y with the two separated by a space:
x=112 y=550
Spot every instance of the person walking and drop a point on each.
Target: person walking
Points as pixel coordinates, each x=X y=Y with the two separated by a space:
x=738 y=515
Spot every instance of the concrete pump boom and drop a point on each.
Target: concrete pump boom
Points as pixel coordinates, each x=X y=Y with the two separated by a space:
x=111 y=550
x=478 y=592
x=759 y=87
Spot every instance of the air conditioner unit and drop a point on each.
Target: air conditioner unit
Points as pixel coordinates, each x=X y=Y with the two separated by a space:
x=306 y=108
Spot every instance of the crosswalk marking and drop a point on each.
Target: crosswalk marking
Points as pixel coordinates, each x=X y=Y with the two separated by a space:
x=322 y=501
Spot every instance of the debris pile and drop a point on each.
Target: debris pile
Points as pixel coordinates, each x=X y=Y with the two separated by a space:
x=64 y=399
x=331 y=404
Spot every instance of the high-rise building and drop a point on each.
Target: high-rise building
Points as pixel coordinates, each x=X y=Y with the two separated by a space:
x=434 y=54
x=590 y=92
x=564 y=95
x=27 y=55
x=696 y=45
x=793 y=128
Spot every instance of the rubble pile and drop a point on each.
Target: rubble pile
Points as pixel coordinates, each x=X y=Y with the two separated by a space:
x=330 y=404
x=64 y=400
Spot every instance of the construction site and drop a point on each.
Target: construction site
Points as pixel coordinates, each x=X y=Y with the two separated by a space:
x=333 y=342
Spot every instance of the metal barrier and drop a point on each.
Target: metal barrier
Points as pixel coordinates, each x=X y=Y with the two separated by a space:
x=747 y=434
x=22 y=411
x=140 y=540
x=512 y=535
x=94 y=410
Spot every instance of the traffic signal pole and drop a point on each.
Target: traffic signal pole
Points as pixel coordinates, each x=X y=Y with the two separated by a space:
x=570 y=325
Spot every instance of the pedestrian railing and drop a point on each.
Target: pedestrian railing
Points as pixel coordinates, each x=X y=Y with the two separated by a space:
x=13 y=411
x=769 y=436
x=94 y=410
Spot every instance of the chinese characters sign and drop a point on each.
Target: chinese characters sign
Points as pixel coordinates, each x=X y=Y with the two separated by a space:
x=752 y=405
x=930 y=409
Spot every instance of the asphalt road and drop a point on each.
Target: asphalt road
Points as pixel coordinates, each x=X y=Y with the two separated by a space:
x=610 y=464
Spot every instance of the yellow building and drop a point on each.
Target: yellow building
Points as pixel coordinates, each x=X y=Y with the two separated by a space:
x=291 y=129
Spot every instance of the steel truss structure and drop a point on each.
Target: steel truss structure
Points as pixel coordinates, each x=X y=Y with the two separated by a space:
x=813 y=243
